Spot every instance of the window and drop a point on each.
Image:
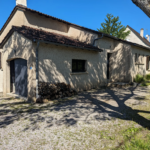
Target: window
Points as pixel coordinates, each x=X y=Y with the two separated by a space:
x=78 y=65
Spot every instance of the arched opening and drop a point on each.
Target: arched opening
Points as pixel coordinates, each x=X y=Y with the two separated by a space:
x=18 y=77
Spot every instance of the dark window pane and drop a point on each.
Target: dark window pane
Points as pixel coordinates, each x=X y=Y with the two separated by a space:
x=74 y=65
x=78 y=65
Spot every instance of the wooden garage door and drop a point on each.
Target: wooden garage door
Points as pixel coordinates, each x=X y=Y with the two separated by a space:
x=20 y=68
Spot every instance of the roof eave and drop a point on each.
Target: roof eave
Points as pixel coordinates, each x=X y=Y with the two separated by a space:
x=90 y=49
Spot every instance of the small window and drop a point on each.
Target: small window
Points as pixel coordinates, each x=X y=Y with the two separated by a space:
x=78 y=65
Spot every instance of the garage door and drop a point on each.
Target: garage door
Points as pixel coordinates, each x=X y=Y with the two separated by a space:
x=19 y=76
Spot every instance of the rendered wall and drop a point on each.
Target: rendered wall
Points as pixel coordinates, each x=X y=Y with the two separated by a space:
x=139 y=69
x=120 y=63
x=1 y=81
x=19 y=47
x=38 y=21
x=17 y=20
x=133 y=38
x=82 y=35
x=55 y=65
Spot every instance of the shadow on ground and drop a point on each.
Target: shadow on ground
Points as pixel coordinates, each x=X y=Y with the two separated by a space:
x=97 y=105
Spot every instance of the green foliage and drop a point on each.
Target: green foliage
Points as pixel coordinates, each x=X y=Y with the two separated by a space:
x=113 y=27
x=139 y=78
x=145 y=84
x=148 y=77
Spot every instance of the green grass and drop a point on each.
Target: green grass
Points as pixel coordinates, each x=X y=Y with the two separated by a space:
x=144 y=80
x=137 y=139
x=145 y=84
x=139 y=78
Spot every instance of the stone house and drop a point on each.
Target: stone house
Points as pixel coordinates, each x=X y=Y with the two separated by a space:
x=38 y=47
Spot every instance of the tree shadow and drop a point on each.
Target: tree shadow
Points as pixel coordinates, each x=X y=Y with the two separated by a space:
x=87 y=107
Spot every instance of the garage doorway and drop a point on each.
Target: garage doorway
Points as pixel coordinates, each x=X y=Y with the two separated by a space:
x=18 y=77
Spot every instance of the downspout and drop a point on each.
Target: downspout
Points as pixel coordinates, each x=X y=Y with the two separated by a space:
x=37 y=69
x=97 y=39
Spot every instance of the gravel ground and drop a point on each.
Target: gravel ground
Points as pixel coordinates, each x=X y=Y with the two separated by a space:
x=87 y=121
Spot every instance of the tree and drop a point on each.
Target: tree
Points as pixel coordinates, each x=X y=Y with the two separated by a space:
x=113 y=27
x=143 y=5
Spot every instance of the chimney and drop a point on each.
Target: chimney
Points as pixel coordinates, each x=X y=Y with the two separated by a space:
x=21 y=2
x=147 y=38
x=142 y=32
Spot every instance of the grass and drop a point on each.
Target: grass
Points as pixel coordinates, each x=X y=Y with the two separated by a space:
x=144 y=80
x=139 y=78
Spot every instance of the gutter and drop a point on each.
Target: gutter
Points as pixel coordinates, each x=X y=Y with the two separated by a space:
x=97 y=39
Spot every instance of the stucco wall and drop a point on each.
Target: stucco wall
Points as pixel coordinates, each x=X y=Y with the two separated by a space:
x=19 y=47
x=139 y=69
x=37 y=21
x=17 y=20
x=55 y=65
x=1 y=81
x=120 y=63
x=81 y=35
x=133 y=38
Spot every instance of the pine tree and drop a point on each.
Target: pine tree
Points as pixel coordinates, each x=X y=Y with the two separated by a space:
x=113 y=27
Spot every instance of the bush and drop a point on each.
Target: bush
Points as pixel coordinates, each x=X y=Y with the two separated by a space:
x=148 y=76
x=139 y=78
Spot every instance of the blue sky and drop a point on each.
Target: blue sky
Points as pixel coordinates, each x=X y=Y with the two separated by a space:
x=87 y=13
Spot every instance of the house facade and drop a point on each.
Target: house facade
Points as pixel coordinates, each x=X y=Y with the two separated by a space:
x=38 y=47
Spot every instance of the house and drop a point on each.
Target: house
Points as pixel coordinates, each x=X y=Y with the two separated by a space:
x=138 y=38
x=38 y=47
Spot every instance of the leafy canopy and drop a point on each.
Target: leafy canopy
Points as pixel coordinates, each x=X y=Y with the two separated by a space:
x=113 y=27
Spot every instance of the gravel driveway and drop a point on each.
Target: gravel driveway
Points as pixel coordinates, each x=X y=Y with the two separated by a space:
x=73 y=123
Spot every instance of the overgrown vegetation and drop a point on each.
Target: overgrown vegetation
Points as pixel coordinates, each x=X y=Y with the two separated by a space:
x=139 y=78
x=144 y=80
x=147 y=76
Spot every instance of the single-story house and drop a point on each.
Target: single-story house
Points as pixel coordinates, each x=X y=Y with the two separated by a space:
x=41 y=48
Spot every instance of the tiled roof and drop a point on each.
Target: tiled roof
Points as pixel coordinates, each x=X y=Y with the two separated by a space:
x=23 y=8
x=44 y=36
x=139 y=36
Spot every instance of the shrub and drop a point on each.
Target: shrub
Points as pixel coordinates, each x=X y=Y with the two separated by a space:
x=148 y=76
x=139 y=78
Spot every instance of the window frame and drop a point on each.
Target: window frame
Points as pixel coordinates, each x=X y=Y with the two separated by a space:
x=77 y=61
